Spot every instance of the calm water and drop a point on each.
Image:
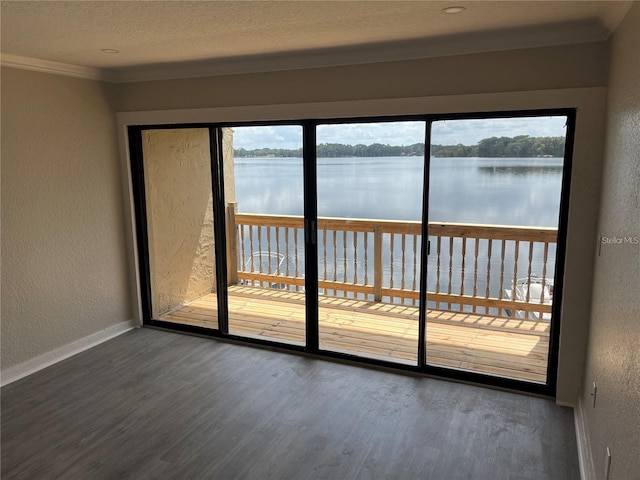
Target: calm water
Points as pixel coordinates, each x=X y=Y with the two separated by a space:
x=507 y=191
x=503 y=191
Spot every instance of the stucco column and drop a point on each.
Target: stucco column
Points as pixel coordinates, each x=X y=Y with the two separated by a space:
x=177 y=168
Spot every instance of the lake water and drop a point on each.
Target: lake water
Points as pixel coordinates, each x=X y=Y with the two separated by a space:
x=500 y=191
x=507 y=191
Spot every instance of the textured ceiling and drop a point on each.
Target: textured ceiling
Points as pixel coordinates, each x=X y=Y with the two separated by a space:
x=167 y=32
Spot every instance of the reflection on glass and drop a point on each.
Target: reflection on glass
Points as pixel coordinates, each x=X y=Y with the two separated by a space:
x=370 y=188
x=494 y=201
x=180 y=226
x=263 y=190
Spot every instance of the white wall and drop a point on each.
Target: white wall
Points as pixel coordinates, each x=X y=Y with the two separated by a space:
x=64 y=257
x=613 y=358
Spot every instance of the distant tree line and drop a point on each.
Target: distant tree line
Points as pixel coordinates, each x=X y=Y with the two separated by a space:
x=494 y=147
x=336 y=150
x=267 y=153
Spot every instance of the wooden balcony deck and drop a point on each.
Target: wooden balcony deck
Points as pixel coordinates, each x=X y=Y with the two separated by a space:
x=509 y=347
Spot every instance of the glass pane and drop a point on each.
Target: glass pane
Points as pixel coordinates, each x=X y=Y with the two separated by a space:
x=370 y=190
x=177 y=170
x=264 y=195
x=494 y=201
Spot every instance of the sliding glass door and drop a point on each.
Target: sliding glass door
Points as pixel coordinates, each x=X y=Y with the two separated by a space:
x=265 y=237
x=343 y=238
x=180 y=226
x=369 y=201
x=494 y=208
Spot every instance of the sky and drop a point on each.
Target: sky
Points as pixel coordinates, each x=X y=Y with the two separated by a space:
x=449 y=132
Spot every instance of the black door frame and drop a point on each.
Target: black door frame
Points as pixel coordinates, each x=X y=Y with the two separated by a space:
x=311 y=254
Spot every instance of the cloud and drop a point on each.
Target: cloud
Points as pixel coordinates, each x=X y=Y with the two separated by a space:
x=470 y=132
x=276 y=136
x=445 y=132
x=388 y=133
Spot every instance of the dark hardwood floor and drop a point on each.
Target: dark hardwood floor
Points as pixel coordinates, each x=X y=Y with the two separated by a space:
x=159 y=405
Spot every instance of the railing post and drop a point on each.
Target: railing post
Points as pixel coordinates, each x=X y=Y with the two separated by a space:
x=232 y=244
x=377 y=263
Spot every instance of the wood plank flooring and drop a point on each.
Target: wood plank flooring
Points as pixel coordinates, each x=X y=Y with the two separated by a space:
x=513 y=348
x=152 y=404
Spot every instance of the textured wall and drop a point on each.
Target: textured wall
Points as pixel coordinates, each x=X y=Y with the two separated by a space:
x=613 y=358
x=228 y=167
x=568 y=66
x=64 y=259
x=179 y=216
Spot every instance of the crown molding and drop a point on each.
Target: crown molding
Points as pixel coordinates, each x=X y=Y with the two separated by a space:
x=55 y=68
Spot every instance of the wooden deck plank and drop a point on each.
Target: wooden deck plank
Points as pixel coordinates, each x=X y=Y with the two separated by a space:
x=515 y=348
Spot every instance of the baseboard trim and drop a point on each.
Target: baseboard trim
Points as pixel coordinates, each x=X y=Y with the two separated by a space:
x=585 y=459
x=54 y=356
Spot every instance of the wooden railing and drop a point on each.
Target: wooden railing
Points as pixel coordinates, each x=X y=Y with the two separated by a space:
x=470 y=267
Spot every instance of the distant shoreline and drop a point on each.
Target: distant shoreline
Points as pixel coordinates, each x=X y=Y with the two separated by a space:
x=522 y=146
x=542 y=157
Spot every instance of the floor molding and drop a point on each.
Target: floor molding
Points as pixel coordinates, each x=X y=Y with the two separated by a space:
x=24 y=369
x=584 y=445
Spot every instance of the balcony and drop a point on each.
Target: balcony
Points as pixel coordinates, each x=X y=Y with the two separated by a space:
x=488 y=290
